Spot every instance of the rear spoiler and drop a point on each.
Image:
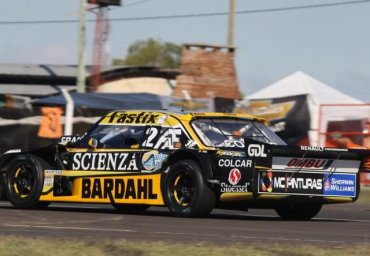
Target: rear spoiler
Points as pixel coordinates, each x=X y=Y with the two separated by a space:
x=361 y=154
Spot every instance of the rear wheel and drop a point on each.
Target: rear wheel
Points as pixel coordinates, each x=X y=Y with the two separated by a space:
x=131 y=208
x=24 y=181
x=2 y=187
x=185 y=192
x=298 y=210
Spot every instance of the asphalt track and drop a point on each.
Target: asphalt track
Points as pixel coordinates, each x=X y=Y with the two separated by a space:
x=336 y=225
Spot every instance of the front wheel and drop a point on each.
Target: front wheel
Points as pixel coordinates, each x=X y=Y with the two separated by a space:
x=298 y=210
x=24 y=181
x=185 y=192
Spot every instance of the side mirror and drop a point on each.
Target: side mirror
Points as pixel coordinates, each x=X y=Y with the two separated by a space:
x=93 y=143
x=131 y=141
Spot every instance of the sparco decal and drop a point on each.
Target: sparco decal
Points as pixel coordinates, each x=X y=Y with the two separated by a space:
x=141 y=118
x=304 y=163
x=104 y=162
x=256 y=150
x=234 y=176
x=118 y=189
x=233 y=144
x=234 y=163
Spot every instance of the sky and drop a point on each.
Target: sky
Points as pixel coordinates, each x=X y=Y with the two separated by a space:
x=331 y=44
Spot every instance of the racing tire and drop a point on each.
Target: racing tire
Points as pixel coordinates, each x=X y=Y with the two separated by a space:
x=24 y=182
x=185 y=191
x=2 y=187
x=298 y=210
x=131 y=208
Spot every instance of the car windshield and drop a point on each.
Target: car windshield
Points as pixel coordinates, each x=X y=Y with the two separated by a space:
x=231 y=132
x=116 y=136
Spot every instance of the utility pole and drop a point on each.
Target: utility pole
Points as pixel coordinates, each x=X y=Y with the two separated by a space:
x=81 y=76
x=230 y=34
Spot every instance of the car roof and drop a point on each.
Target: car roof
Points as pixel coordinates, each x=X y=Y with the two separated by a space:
x=188 y=116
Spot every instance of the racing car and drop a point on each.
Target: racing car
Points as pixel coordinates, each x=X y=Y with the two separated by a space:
x=188 y=162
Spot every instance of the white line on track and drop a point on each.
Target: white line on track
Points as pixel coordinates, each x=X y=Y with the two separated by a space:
x=64 y=206
x=323 y=219
x=289 y=239
x=66 y=228
x=260 y=238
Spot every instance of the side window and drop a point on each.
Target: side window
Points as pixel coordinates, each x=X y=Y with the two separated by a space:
x=118 y=136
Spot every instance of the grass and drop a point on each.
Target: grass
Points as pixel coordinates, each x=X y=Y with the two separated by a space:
x=12 y=245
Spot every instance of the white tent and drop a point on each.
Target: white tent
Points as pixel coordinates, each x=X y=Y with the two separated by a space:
x=318 y=94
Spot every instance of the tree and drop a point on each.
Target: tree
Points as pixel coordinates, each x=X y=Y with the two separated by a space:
x=152 y=52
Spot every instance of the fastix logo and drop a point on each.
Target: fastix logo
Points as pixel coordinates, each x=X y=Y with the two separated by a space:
x=234 y=176
x=104 y=162
x=304 y=163
x=141 y=118
x=256 y=150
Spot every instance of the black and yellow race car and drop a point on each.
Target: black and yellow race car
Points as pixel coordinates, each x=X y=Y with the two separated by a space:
x=190 y=163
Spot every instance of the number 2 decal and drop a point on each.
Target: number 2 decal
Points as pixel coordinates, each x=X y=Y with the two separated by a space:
x=151 y=134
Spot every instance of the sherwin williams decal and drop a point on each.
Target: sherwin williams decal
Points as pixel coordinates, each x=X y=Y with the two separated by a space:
x=340 y=184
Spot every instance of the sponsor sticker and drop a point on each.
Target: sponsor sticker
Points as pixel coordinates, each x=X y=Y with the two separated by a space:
x=226 y=162
x=256 y=150
x=107 y=161
x=230 y=153
x=54 y=172
x=119 y=188
x=134 y=118
x=266 y=181
x=340 y=184
x=233 y=186
x=191 y=144
x=165 y=140
x=152 y=160
x=312 y=148
x=290 y=183
x=316 y=164
x=307 y=163
x=234 y=176
x=72 y=139
x=232 y=143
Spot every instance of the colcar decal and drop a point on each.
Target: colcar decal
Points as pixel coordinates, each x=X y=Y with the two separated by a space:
x=225 y=162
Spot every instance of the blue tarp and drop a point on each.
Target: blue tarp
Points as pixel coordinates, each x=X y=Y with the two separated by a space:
x=110 y=101
x=106 y=100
